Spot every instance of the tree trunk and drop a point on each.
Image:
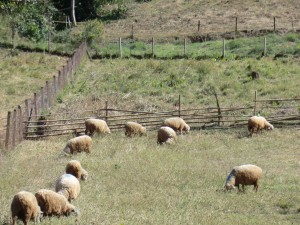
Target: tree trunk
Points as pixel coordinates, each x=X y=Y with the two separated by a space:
x=73 y=12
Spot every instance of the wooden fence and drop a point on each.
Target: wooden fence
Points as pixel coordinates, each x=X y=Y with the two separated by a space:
x=34 y=108
x=281 y=115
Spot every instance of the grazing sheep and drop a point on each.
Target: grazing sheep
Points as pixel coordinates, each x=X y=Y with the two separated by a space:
x=133 y=128
x=24 y=206
x=96 y=125
x=68 y=186
x=258 y=123
x=74 y=167
x=166 y=135
x=245 y=175
x=79 y=144
x=177 y=124
x=52 y=203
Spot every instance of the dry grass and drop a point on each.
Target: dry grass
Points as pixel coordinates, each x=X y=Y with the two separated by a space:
x=179 y=18
x=135 y=181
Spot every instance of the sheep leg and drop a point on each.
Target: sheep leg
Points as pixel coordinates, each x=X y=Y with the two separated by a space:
x=243 y=186
x=255 y=186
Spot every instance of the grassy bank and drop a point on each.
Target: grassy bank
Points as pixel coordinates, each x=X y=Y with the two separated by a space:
x=135 y=181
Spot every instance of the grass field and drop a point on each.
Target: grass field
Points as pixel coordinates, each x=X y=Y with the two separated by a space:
x=136 y=181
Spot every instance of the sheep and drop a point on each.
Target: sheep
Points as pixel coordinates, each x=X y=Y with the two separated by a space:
x=96 y=125
x=177 y=124
x=24 y=206
x=68 y=186
x=74 y=167
x=166 y=135
x=52 y=203
x=133 y=128
x=79 y=144
x=245 y=175
x=258 y=123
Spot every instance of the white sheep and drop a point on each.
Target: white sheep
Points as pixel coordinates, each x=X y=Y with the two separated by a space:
x=52 y=203
x=166 y=135
x=79 y=144
x=74 y=167
x=133 y=128
x=25 y=207
x=177 y=124
x=258 y=123
x=93 y=126
x=245 y=175
x=68 y=186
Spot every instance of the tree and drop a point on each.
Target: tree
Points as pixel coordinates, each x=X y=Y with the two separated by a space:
x=73 y=12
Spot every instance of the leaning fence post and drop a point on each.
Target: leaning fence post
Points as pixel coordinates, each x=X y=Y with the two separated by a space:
x=20 y=124
x=7 y=130
x=14 y=128
x=106 y=110
x=254 y=107
x=179 y=106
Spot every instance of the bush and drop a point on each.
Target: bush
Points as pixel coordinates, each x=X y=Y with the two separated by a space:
x=93 y=31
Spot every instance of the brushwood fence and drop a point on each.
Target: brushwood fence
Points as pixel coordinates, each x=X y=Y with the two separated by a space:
x=280 y=112
x=33 y=109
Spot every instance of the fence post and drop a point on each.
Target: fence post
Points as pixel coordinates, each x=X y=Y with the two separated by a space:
x=7 y=130
x=59 y=80
x=106 y=110
x=20 y=124
x=120 y=47
x=184 y=50
x=254 y=107
x=219 y=108
x=223 y=53
x=153 y=50
x=132 y=31
x=48 y=95
x=54 y=85
x=236 y=25
x=14 y=129
x=42 y=99
x=28 y=114
x=265 y=46
x=179 y=106
x=35 y=103
x=274 y=23
x=198 y=25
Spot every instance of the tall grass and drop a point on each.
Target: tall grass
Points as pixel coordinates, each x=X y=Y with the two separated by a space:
x=136 y=181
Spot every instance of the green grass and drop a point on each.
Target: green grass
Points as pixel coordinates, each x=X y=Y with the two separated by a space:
x=135 y=181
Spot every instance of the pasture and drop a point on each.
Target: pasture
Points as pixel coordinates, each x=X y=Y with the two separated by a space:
x=136 y=181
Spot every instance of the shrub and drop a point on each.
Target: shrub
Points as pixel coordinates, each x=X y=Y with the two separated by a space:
x=93 y=31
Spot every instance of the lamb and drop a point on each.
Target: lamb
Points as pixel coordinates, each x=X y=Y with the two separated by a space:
x=96 y=125
x=166 y=135
x=52 y=203
x=24 y=206
x=177 y=124
x=245 y=175
x=258 y=123
x=74 y=167
x=68 y=186
x=133 y=128
x=79 y=144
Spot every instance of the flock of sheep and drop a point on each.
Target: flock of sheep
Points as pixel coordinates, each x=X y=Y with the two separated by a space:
x=26 y=206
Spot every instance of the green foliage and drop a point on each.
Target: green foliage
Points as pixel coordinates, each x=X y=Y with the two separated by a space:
x=93 y=31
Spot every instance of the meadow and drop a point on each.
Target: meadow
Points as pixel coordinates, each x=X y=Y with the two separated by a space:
x=136 y=181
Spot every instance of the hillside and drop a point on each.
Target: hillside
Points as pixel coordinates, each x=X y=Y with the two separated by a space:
x=179 y=18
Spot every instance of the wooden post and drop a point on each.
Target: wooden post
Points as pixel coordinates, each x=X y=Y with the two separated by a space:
x=219 y=108
x=274 y=23
x=42 y=99
x=59 y=80
x=223 y=53
x=265 y=46
x=185 y=49
x=20 y=124
x=106 y=111
x=28 y=114
x=293 y=25
x=179 y=106
x=49 y=39
x=120 y=47
x=35 y=103
x=254 y=107
x=7 y=130
x=14 y=129
x=54 y=86
x=198 y=25
x=132 y=31
x=153 y=50
x=48 y=105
